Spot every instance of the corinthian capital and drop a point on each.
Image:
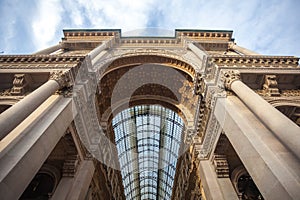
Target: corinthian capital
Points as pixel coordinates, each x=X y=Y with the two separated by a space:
x=61 y=77
x=229 y=77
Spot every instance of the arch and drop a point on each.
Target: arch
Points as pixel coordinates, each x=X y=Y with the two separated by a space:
x=244 y=185
x=129 y=60
x=43 y=184
x=146 y=84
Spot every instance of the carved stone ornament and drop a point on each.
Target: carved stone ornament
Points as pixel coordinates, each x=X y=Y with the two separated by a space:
x=199 y=84
x=20 y=84
x=229 y=77
x=221 y=166
x=270 y=86
x=61 y=77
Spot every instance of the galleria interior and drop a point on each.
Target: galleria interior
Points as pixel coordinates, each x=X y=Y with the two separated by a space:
x=194 y=116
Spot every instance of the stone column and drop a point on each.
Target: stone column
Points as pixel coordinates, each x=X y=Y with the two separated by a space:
x=99 y=51
x=214 y=187
x=242 y=50
x=82 y=180
x=76 y=187
x=13 y=116
x=281 y=126
x=273 y=168
x=23 y=152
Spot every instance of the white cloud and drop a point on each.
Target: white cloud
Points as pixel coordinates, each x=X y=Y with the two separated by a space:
x=269 y=27
x=46 y=22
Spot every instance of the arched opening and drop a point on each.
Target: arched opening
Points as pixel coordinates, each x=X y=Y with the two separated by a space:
x=41 y=187
x=148 y=140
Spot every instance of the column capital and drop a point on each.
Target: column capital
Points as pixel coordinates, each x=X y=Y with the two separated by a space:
x=61 y=77
x=229 y=77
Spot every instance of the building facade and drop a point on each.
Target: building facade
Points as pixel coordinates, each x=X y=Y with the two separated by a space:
x=194 y=116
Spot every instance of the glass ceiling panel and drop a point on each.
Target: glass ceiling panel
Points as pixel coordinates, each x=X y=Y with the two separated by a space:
x=148 y=138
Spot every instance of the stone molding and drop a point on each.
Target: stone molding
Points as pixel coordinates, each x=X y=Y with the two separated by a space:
x=213 y=129
x=39 y=61
x=205 y=35
x=283 y=93
x=256 y=61
x=221 y=165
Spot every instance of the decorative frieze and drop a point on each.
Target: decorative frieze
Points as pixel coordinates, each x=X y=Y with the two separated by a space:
x=283 y=93
x=206 y=35
x=20 y=62
x=213 y=129
x=256 y=61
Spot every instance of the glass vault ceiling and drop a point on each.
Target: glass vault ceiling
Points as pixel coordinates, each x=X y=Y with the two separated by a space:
x=148 y=138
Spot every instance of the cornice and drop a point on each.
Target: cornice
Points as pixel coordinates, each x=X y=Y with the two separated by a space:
x=206 y=34
x=39 y=61
x=256 y=61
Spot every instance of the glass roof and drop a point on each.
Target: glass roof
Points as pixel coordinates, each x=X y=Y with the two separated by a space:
x=148 y=138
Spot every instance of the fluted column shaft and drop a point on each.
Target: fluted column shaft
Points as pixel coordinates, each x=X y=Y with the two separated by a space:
x=13 y=116
x=285 y=129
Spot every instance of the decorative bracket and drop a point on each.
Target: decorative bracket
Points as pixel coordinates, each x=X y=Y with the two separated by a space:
x=270 y=87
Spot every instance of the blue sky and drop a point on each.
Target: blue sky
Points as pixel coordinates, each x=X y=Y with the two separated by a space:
x=270 y=27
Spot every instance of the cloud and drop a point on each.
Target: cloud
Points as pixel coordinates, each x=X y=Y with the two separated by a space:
x=46 y=22
x=268 y=27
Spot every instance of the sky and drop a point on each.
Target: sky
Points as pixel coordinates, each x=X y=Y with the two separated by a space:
x=270 y=27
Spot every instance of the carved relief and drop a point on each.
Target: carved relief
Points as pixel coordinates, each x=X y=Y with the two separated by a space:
x=270 y=87
x=221 y=165
x=199 y=84
x=70 y=166
x=20 y=84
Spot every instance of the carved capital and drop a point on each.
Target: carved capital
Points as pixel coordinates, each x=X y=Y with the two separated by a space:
x=229 y=77
x=61 y=77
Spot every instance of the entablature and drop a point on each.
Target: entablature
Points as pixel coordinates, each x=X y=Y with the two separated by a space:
x=225 y=35
x=90 y=34
x=20 y=63
x=256 y=61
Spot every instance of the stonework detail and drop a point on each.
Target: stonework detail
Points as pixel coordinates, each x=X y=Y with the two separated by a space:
x=70 y=166
x=256 y=61
x=33 y=62
x=221 y=166
x=212 y=130
x=61 y=77
x=199 y=84
x=229 y=77
x=270 y=86
x=20 y=84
